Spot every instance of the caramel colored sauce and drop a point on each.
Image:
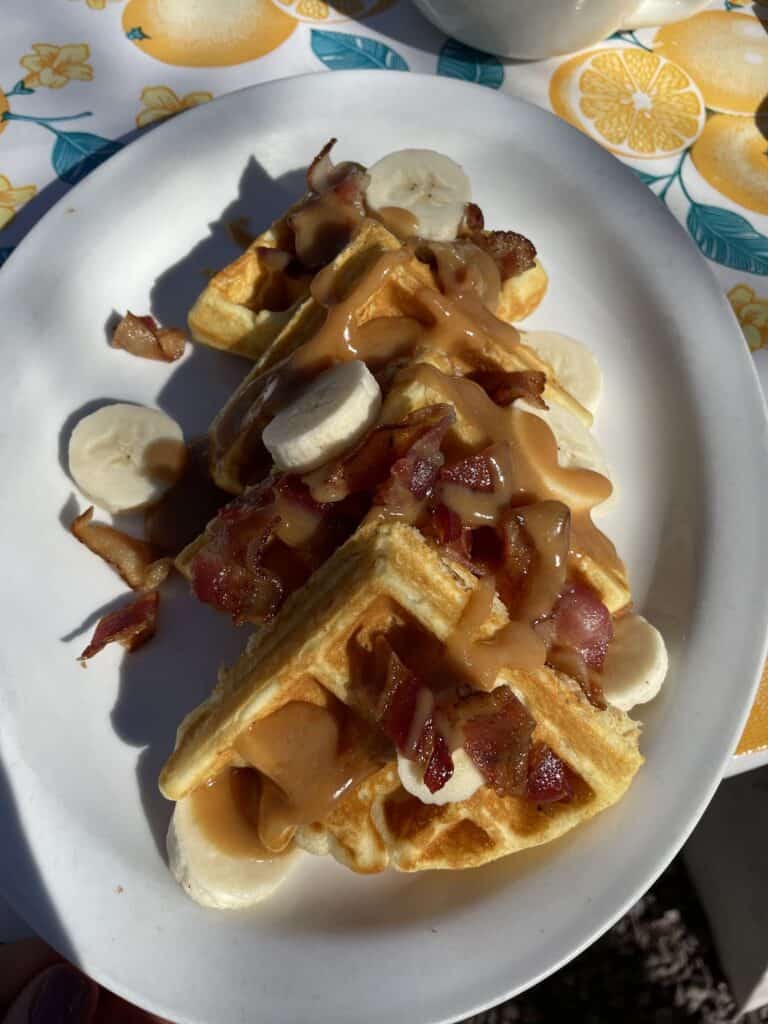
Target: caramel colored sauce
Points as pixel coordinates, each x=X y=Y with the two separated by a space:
x=308 y=767
x=297 y=523
x=515 y=645
x=463 y=271
x=399 y=221
x=226 y=809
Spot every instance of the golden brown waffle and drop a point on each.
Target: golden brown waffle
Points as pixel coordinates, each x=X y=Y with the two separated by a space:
x=387 y=575
x=235 y=310
x=521 y=294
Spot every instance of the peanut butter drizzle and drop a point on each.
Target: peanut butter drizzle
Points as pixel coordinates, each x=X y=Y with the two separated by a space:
x=296 y=523
x=463 y=271
x=399 y=221
x=514 y=646
x=297 y=749
x=524 y=457
x=226 y=809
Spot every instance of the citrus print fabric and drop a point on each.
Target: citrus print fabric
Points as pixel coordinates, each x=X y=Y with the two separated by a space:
x=685 y=106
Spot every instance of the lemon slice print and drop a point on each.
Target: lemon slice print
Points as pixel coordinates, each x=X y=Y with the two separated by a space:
x=635 y=103
x=732 y=154
x=318 y=11
x=727 y=55
x=197 y=33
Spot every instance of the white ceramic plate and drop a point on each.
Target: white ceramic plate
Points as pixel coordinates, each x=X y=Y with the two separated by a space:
x=683 y=424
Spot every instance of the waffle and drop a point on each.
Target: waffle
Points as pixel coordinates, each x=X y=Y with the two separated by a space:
x=384 y=576
x=239 y=310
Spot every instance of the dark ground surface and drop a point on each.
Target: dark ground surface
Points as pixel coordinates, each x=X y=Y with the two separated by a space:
x=658 y=965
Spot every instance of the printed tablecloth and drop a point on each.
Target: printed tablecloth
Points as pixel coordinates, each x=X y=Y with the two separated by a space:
x=684 y=106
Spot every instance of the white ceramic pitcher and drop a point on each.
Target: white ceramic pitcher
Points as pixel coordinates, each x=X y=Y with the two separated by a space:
x=543 y=28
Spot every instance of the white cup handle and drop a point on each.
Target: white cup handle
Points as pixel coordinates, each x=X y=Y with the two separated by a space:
x=659 y=12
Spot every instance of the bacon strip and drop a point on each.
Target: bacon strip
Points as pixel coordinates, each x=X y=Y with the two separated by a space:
x=505 y=388
x=497 y=736
x=131 y=626
x=368 y=465
x=142 y=336
x=136 y=561
x=475 y=473
x=549 y=779
x=513 y=254
x=583 y=622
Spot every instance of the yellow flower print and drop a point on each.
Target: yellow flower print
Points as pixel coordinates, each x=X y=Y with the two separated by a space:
x=53 y=66
x=752 y=314
x=12 y=198
x=98 y=5
x=161 y=102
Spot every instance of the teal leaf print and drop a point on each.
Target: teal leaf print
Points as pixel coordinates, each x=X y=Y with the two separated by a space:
x=340 y=51
x=647 y=179
x=5 y=252
x=137 y=32
x=727 y=238
x=75 y=154
x=20 y=89
x=459 y=61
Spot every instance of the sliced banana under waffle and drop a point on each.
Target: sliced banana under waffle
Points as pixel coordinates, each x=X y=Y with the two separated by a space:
x=386 y=577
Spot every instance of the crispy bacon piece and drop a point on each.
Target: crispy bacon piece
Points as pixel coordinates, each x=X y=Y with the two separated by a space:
x=475 y=473
x=136 y=561
x=505 y=388
x=368 y=465
x=497 y=736
x=549 y=779
x=513 y=254
x=141 y=336
x=583 y=622
x=325 y=220
x=413 y=475
x=473 y=220
x=132 y=625
x=447 y=530
x=407 y=719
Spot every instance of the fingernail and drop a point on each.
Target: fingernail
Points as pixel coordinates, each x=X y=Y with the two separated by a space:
x=65 y=996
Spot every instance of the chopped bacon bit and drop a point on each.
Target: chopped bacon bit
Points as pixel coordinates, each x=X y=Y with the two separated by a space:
x=369 y=464
x=439 y=768
x=505 y=388
x=253 y=593
x=497 y=736
x=396 y=705
x=582 y=621
x=141 y=336
x=473 y=220
x=475 y=473
x=446 y=528
x=136 y=561
x=549 y=778
x=132 y=625
x=414 y=474
x=319 y=171
x=513 y=254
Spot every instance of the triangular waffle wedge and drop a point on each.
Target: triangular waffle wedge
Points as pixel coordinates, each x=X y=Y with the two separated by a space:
x=245 y=305
x=384 y=577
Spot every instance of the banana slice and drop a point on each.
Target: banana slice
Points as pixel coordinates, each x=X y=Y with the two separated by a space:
x=575 y=367
x=125 y=457
x=213 y=877
x=464 y=783
x=636 y=663
x=431 y=186
x=327 y=418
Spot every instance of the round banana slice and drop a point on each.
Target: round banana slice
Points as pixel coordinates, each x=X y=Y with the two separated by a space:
x=213 y=877
x=575 y=367
x=125 y=457
x=636 y=663
x=431 y=186
x=326 y=419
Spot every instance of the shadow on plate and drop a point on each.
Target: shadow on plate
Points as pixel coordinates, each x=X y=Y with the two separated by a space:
x=22 y=883
x=161 y=682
